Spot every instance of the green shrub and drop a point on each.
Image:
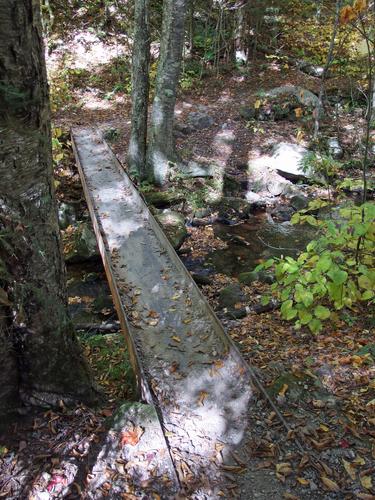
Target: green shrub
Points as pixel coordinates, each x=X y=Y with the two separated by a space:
x=335 y=271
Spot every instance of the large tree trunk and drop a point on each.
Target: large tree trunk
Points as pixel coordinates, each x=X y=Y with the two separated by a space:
x=161 y=149
x=140 y=89
x=49 y=364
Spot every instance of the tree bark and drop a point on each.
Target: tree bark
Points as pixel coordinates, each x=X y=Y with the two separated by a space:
x=49 y=364
x=161 y=149
x=140 y=89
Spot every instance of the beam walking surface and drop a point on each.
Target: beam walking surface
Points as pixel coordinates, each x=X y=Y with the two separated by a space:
x=187 y=366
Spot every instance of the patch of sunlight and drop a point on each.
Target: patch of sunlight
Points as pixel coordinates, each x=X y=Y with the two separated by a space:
x=94 y=104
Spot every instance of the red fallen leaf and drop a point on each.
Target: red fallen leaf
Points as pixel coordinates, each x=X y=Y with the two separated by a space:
x=55 y=481
x=344 y=443
x=131 y=436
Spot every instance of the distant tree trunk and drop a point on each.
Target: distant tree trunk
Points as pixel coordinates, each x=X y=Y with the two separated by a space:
x=241 y=43
x=44 y=357
x=140 y=89
x=161 y=149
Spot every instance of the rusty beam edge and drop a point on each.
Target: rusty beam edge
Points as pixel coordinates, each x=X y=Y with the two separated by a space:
x=142 y=383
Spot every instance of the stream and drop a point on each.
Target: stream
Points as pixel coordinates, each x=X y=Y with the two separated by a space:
x=250 y=242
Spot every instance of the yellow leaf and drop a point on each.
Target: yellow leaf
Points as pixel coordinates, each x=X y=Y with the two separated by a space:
x=202 y=397
x=324 y=428
x=175 y=338
x=219 y=447
x=300 y=135
x=359 y=460
x=283 y=390
x=257 y=104
x=284 y=468
x=303 y=481
x=298 y=112
x=366 y=482
x=359 y=5
x=347 y=15
x=329 y=484
x=350 y=469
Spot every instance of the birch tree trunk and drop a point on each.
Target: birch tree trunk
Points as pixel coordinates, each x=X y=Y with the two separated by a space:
x=161 y=148
x=140 y=89
x=46 y=362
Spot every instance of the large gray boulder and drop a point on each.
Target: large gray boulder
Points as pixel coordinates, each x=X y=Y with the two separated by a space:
x=303 y=96
x=194 y=169
x=287 y=160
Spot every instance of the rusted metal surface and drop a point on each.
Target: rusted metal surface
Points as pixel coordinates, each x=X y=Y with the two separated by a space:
x=186 y=363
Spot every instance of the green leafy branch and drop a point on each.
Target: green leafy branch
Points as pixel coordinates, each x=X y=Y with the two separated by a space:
x=332 y=273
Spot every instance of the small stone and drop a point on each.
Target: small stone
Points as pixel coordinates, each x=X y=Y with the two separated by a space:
x=334 y=148
x=173 y=224
x=200 y=120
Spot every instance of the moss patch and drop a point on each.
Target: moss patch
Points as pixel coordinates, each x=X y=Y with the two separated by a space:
x=109 y=360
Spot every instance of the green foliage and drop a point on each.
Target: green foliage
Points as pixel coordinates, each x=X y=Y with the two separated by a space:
x=190 y=76
x=335 y=271
x=322 y=166
x=59 y=145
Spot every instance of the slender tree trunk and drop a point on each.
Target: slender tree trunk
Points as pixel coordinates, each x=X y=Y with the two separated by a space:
x=319 y=109
x=161 y=148
x=140 y=89
x=241 y=44
x=48 y=358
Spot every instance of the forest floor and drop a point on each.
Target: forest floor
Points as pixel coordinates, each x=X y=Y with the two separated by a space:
x=322 y=385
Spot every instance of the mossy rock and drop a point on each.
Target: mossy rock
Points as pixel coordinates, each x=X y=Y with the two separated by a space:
x=296 y=389
x=80 y=244
x=250 y=277
x=162 y=199
x=230 y=296
x=173 y=224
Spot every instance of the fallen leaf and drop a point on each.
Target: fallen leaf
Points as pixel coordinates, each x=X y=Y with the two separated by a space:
x=283 y=390
x=131 y=436
x=350 y=469
x=298 y=112
x=175 y=338
x=219 y=447
x=284 y=468
x=330 y=484
x=4 y=298
x=359 y=460
x=289 y=496
x=318 y=403
x=366 y=482
x=202 y=396
x=303 y=481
